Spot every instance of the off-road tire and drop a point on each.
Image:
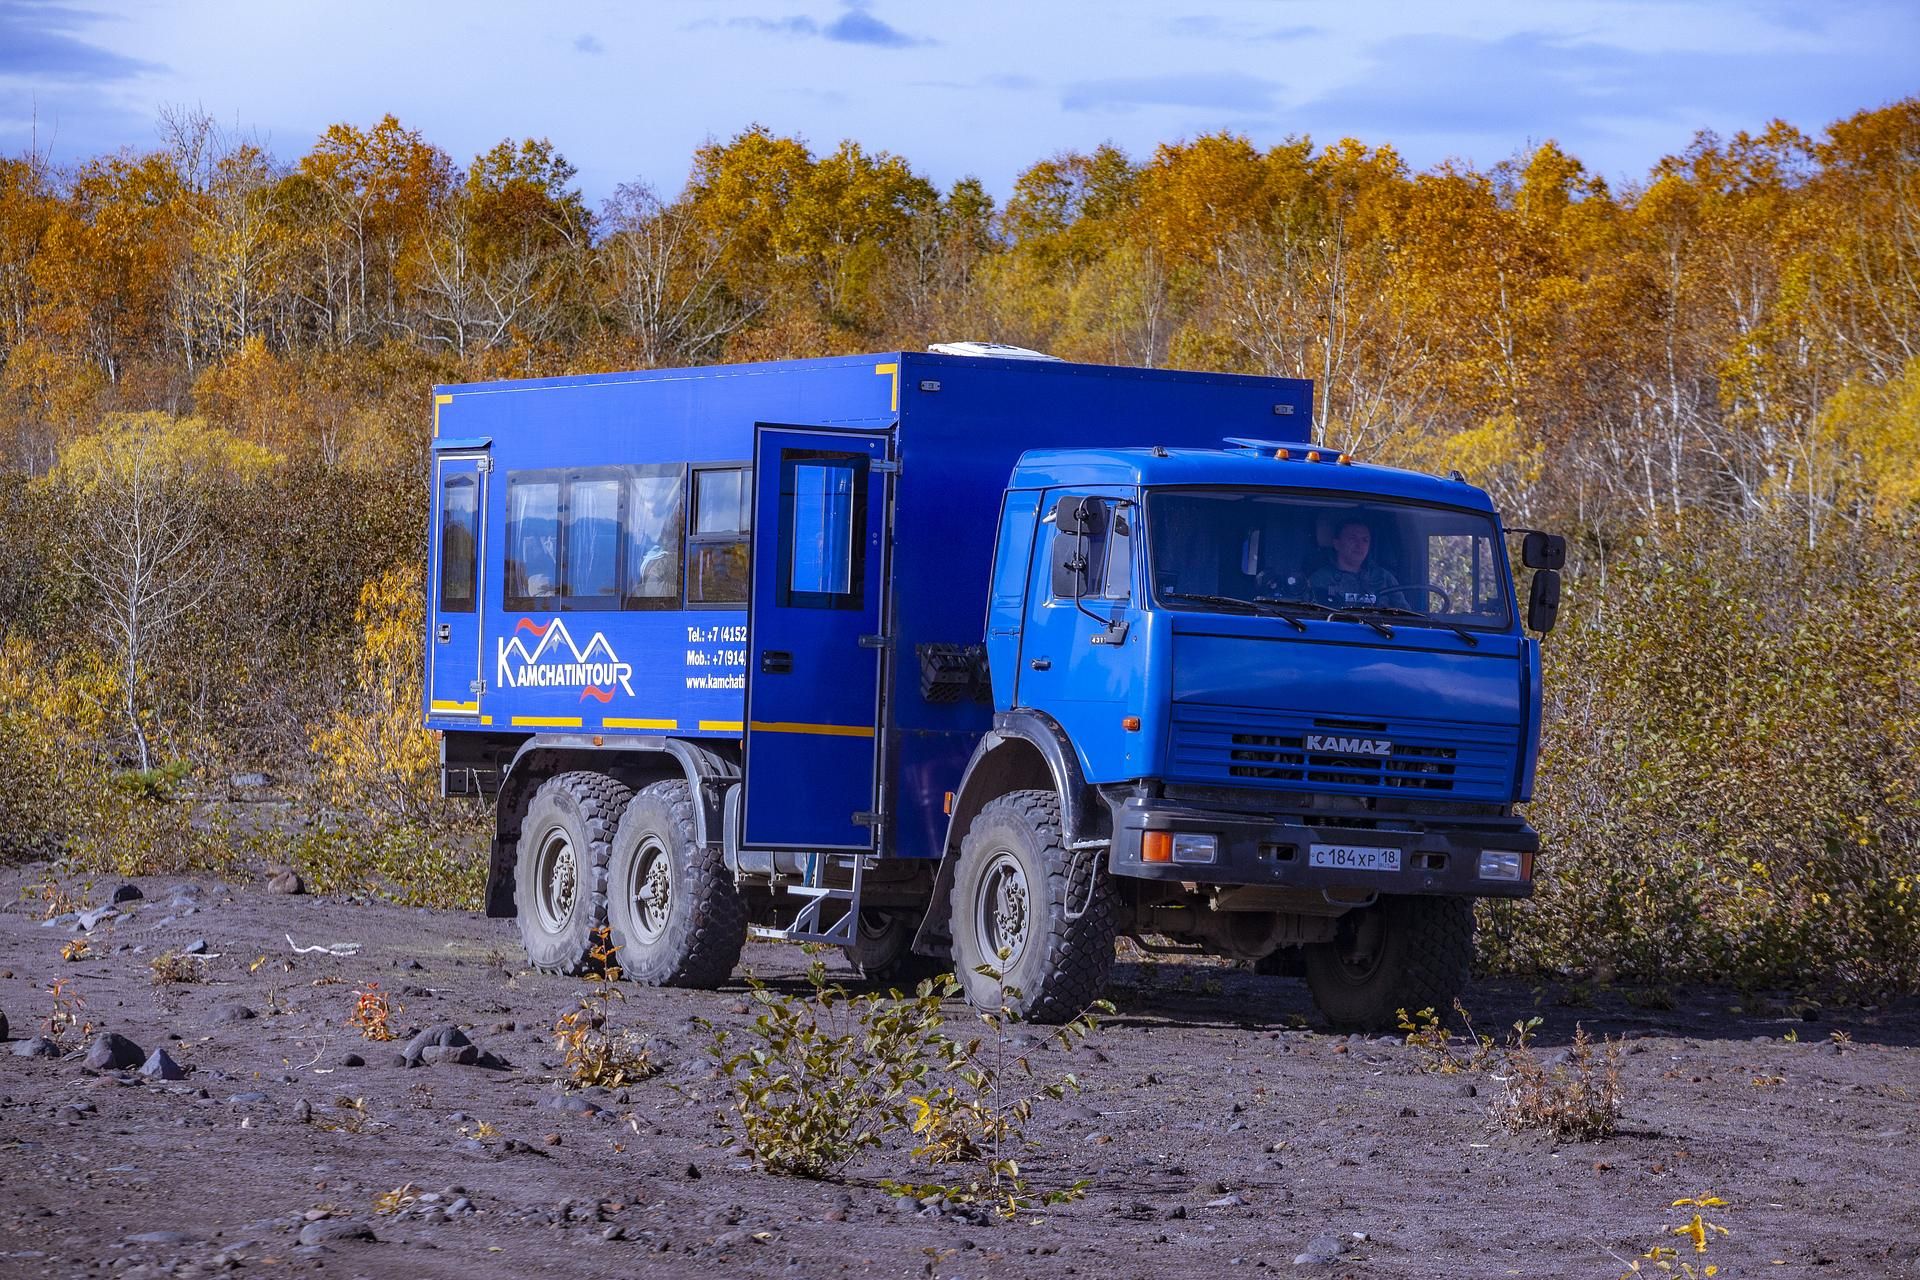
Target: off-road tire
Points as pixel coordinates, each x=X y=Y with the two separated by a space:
x=1424 y=959
x=696 y=941
x=585 y=808
x=884 y=957
x=1063 y=965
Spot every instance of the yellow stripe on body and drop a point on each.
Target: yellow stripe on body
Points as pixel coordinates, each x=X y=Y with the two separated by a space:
x=822 y=730
x=893 y=370
x=630 y=722
x=437 y=402
x=437 y=705
x=548 y=722
x=720 y=726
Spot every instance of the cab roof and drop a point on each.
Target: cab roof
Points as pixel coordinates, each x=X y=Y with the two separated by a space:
x=1239 y=468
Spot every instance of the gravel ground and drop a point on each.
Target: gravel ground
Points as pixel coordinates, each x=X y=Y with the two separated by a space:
x=1221 y=1131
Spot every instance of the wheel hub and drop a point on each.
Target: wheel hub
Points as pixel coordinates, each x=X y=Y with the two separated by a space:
x=1005 y=914
x=559 y=881
x=1361 y=944
x=652 y=891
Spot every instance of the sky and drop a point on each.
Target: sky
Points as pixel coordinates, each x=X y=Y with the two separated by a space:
x=627 y=91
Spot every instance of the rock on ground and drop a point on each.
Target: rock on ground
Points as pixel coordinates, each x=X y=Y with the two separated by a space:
x=111 y=1051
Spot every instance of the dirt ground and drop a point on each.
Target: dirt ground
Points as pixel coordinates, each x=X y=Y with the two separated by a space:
x=1221 y=1130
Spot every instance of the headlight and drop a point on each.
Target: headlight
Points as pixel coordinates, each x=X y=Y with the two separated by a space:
x=1498 y=864
x=1194 y=848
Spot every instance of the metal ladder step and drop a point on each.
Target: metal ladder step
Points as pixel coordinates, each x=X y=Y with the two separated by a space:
x=808 y=925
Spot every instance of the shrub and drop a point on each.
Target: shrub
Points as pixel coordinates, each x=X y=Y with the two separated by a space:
x=974 y=1122
x=826 y=1076
x=1577 y=1099
x=170 y=967
x=1726 y=780
x=594 y=1055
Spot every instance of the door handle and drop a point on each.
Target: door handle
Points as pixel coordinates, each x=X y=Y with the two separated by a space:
x=775 y=662
x=443 y=633
x=1041 y=664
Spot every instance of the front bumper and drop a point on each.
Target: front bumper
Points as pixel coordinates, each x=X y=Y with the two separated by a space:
x=1436 y=856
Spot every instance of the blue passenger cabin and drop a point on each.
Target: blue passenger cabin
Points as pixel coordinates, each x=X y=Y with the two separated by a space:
x=791 y=558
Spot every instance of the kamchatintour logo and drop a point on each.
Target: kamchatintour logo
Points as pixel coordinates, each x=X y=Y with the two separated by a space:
x=556 y=662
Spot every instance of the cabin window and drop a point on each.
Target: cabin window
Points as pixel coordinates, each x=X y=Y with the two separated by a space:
x=533 y=542
x=459 y=536
x=591 y=548
x=655 y=524
x=722 y=527
x=822 y=530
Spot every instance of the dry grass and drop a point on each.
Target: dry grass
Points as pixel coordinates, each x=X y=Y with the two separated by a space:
x=1577 y=1099
x=170 y=967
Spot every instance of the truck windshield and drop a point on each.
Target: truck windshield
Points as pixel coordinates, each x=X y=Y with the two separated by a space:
x=1249 y=550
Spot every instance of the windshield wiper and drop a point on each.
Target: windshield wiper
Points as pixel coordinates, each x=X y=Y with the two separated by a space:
x=1332 y=613
x=1394 y=610
x=1261 y=605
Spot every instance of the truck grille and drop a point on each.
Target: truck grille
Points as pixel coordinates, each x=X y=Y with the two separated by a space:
x=1244 y=747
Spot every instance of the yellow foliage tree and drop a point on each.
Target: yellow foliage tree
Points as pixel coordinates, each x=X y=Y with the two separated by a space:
x=142 y=491
x=373 y=755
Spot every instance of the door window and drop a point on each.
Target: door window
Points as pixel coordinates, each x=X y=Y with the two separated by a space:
x=1099 y=562
x=459 y=536
x=822 y=531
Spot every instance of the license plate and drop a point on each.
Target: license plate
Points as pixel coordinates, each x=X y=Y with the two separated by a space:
x=1353 y=857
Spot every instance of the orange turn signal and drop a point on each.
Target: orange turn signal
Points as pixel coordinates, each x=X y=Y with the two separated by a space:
x=1346 y=459
x=1130 y=723
x=1282 y=454
x=946 y=806
x=1156 y=846
x=1313 y=455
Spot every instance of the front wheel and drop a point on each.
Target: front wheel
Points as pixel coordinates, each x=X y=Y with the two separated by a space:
x=1013 y=890
x=1401 y=953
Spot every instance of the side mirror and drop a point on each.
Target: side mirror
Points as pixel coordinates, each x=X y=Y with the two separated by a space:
x=1074 y=514
x=1544 y=551
x=1543 y=600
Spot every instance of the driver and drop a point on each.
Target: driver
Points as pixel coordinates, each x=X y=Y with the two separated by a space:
x=1353 y=577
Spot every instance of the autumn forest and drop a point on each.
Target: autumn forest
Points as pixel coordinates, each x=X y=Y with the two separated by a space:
x=1708 y=378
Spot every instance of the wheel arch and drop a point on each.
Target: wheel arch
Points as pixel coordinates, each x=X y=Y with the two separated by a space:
x=1024 y=751
x=708 y=767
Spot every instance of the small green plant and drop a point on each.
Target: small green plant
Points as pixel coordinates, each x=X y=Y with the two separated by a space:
x=372 y=1014
x=157 y=783
x=1438 y=1051
x=1578 y=1099
x=170 y=967
x=64 y=1021
x=976 y=1122
x=820 y=1078
x=1663 y=1259
x=593 y=1054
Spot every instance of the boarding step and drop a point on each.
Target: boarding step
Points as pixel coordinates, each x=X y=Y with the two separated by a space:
x=813 y=922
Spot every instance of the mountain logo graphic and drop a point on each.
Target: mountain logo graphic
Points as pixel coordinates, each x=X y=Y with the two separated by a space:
x=556 y=662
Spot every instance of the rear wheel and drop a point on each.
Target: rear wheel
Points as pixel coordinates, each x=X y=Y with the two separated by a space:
x=1401 y=953
x=1012 y=892
x=883 y=954
x=676 y=918
x=560 y=875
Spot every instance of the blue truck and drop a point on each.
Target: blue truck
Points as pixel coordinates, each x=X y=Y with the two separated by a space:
x=980 y=662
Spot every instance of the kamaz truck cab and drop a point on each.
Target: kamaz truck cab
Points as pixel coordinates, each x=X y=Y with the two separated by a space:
x=979 y=663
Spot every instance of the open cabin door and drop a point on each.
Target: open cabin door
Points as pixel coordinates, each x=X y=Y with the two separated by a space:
x=814 y=647
x=457 y=567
